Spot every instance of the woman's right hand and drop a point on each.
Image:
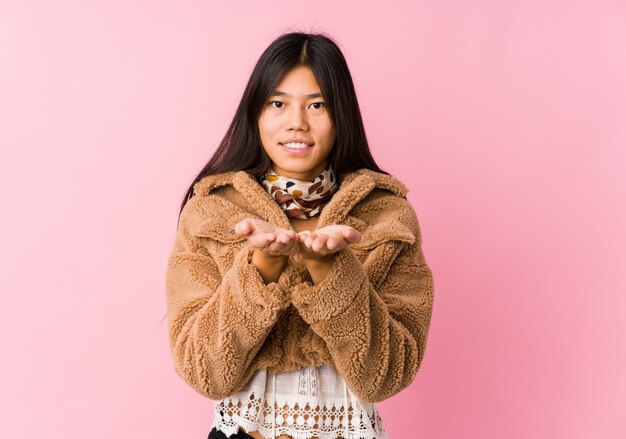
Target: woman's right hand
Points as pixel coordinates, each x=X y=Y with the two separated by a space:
x=268 y=238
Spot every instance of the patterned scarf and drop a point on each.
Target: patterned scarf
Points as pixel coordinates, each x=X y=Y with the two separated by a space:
x=301 y=198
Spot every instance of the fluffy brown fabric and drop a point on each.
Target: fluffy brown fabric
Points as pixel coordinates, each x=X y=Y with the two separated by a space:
x=369 y=317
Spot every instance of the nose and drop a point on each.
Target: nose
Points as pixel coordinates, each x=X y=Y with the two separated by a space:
x=297 y=118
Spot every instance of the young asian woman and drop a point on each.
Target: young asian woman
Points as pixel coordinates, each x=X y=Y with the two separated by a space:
x=298 y=295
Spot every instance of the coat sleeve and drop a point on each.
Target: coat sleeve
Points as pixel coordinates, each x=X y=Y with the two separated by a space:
x=376 y=334
x=217 y=322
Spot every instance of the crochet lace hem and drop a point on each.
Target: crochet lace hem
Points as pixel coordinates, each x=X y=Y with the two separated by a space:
x=231 y=428
x=302 y=422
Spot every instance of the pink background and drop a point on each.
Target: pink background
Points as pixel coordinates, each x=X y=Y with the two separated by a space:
x=506 y=119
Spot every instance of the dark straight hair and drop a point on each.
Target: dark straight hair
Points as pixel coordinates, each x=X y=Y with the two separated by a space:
x=241 y=147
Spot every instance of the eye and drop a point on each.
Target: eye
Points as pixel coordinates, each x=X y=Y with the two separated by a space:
x=320 y=103
x=271 y=102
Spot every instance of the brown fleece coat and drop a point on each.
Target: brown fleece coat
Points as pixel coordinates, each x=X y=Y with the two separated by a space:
x=369 y=317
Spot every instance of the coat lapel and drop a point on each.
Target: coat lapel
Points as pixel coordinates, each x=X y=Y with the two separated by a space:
x=355 y=186
x=262 y=202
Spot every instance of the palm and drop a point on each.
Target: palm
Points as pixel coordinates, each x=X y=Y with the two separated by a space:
x=267 y=237
x=327 y=240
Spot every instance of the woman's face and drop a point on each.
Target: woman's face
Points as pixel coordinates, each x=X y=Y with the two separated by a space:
x=296 y=110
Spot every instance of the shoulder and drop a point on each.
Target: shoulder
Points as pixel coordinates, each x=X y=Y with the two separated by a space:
x=216 y=205
x=387 y=201
x=365 y=178
x=208 y=183
x=382 y=217
x=385 y=214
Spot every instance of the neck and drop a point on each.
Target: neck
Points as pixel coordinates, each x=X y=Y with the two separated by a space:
x=303 y=176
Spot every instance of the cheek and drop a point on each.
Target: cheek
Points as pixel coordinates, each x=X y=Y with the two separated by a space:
x=329 y=138
x=326 y=126
x=267 y=125
x=264 y=128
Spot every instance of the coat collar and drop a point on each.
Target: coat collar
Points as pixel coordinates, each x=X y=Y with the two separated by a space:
x=355 y=186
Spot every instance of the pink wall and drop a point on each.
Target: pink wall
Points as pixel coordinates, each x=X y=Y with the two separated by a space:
x=507 y=120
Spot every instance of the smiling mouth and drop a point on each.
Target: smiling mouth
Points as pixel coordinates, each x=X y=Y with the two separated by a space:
x=298 y=148
x=300 y=144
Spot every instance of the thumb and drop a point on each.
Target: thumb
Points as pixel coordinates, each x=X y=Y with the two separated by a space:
x=243 y=227
x=351 y=235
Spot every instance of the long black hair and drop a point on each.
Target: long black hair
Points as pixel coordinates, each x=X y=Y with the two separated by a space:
x=241 y=147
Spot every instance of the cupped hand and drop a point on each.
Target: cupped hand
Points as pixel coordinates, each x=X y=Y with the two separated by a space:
x=270 y=239
x=325 y=241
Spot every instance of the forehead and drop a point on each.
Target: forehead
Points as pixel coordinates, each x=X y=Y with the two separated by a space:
x=287 y=95
x=298 y=82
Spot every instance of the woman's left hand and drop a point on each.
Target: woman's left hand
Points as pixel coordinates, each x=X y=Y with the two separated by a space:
x=324 y=242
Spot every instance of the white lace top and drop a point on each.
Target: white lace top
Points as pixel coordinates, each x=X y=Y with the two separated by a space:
x=310 y=402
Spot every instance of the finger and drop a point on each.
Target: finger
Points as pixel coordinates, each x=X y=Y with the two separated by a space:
x=352 y=235
x=309 y=239
x=241 y=227
x=320 y=242
x=291 y=235
x=303 y=235
x=331 y=243
x=278 y=237
x=262 y=239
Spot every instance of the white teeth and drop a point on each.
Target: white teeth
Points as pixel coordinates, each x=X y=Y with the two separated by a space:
x=295 y=145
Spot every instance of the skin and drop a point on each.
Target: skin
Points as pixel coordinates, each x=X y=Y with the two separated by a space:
x=286 y=117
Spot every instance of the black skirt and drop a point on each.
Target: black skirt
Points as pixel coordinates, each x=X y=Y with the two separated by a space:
x=216 y=434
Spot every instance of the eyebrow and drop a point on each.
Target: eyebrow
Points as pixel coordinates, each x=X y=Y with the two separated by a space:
x=282 y=93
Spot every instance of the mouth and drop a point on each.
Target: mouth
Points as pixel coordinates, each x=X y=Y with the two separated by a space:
x=296 y=148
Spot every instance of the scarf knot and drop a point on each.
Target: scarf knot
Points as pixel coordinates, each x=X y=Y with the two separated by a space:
x=301 y=198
